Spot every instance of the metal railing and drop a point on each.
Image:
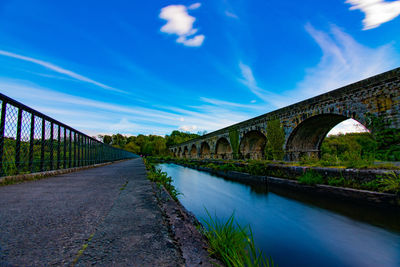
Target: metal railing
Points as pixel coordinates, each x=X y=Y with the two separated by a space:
x=33 y=142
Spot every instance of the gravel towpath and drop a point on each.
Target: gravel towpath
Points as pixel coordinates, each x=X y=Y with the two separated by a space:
x=106 y=216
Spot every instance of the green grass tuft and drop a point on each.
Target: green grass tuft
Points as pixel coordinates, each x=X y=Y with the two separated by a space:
x=311 y=178
x=390 y=183
x=233 y=244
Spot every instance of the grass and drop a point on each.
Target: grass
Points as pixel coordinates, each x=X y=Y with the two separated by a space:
x=233 y=244
x=161 y=178
x=80 y=252
x=311 y=178
x=390 y=183
x=124 y=186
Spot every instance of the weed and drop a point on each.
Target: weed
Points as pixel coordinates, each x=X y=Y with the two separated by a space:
x=371 y=185
x=233 y=244
x=390 y=183
x=161 y=178
x=311 y=178
x=335 y=181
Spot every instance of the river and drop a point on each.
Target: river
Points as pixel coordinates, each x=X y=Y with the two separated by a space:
x=295 y=229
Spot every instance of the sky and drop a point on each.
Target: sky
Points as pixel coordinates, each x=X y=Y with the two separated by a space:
x=151 y=67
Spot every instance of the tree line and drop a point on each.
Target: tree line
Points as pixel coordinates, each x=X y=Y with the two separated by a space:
x=147 y=145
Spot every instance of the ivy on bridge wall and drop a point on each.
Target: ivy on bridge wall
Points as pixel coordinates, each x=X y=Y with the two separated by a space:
x=234 y=138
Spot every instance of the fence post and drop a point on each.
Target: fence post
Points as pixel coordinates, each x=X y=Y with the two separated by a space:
x=2 y=139
x=86 y=151
x=51 y=145
x=42 y=145
x=75 y=149
x=90 y=151
x=82 y=150
x=18 y=140
x=65 y=148
x=58 y=147
x=31 y=142
x=79 y=150
x=70 y=149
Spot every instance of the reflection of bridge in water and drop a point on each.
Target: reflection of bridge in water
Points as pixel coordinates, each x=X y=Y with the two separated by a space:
x=305 y=123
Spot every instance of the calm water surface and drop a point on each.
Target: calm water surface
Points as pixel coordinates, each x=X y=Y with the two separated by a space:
x=295 y=229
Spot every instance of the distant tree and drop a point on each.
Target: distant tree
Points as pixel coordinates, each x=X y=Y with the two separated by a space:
x=106 y=139
x=132 y=147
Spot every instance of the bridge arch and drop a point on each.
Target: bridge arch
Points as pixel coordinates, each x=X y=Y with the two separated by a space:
x=179 y=155
x=306 y=139
x=193 y=152
x=223 y=149
x=252 y=145
x=205 y=151
x=185 y=153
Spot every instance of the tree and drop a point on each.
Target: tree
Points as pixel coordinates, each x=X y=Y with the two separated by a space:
x=106 y=139
x=387 y=139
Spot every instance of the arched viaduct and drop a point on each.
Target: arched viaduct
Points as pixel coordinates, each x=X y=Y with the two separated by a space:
x=305 y=123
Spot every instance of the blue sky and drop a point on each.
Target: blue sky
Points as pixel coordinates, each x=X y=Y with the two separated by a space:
x=155 y=66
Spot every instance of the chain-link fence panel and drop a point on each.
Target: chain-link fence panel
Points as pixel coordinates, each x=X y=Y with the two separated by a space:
x=32 y=142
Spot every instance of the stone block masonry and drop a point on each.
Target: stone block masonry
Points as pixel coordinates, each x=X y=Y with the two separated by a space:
x=305 y=123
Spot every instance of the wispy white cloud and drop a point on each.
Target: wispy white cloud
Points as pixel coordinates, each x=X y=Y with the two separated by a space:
x=123 y=125
x=231 y=15
x=267 y=96
x=227 y=103
x=180 y=23
x=95 y=117
x=376 y=11
x=188 y=128
x=57 y=69
x=194 y=6
x=344 y=61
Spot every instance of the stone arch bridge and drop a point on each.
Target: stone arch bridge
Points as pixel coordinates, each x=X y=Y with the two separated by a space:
x=305 y=123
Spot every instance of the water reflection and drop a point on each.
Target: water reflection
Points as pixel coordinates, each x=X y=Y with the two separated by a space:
x=295 y=229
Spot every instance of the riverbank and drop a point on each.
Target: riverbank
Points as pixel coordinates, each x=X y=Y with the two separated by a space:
x=313 y=230
x=346 y=184
x=210 y=242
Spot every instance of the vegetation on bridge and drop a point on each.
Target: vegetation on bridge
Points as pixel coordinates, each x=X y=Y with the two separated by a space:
x=275 y=140
x=234 y=138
